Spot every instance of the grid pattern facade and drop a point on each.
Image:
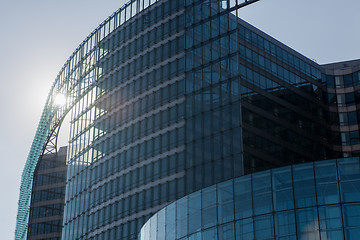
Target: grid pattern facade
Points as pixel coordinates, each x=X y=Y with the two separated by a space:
x=127 y=142
x=343 y=84
x=48 y=196
x=127 y=146
x=169 y=97
x=213 y=109
x=317 y=201
x=283 y=107
x=251 y=102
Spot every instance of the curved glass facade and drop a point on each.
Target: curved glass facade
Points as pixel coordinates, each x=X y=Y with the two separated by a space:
x=135 y=143
x=168 y=97
x=127 y=141
x=318 y=200
x=343 y=98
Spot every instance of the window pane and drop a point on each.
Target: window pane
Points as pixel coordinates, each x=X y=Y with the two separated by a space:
x=285 y=223
x=352 y=233
x=304 y=185
x=225 y=202
x=170 y=222
x=283 y=190
x=244 y=229
x=262 y=194
x=210 y=234
x=351 y=215
x=264 y=227
x=226 y=232
x=349 y=174
x=332 y=234
x=181 y=217
x=194 y=212
x=209 y=210
x=195 y=236
x=330 y=217
x=161 y=225
x=243 y=198
x=326 y=182
x=307 y=224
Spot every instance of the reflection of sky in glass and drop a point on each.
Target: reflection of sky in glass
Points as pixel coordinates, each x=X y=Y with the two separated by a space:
x=33 y=51
x=308 y=222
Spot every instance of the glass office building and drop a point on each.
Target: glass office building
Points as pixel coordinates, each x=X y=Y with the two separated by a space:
x=48 y=197
x=169 y=97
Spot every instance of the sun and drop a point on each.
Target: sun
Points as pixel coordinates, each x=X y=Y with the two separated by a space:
x=60 y=99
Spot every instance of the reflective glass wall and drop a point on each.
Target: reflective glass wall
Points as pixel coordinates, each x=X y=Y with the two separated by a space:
x=343 y=99
x=127 y=134
x=317 y=201
x=48 y=196
x=185 y=95
x=231 y=65
x=128 y=141
x=171 y=96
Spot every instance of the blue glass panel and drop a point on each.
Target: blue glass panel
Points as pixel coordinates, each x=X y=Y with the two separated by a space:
x=283 y=190
x=290 y=237
x=153 y=227
x=181 y=217
x=170 y=222
x=326 y=182
x=352 y=234
x=264 y=227
x=349 y=174
x=262 y=194
x=351 y=215
x=307 y=224
x=226 y=231
x=209 y=210
x=210 y=234
x=145 y=234
x=244 y=229
x=243 y=198
x=195 y=236
x=225 y=202
x=161 y=225
x=304 y=185
x=330 y=217
x=332 y=234
x=285 y=223
x=194 y=212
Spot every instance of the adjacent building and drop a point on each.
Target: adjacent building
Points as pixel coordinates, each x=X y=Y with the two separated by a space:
x=48 y=197
x=184 y=114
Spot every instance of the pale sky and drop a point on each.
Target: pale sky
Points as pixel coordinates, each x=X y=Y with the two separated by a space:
x=38 y=36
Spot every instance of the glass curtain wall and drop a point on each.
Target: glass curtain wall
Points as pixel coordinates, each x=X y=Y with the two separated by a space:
x=317 y=201
x=343 y=98
x=48 y=196
x=127 y=135
x=180 y=87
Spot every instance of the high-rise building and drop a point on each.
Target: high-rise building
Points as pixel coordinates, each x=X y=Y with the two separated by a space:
x=175 y=100
x=48 y=197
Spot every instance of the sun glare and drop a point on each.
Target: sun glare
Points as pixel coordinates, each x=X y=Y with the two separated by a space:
x=60 y=99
